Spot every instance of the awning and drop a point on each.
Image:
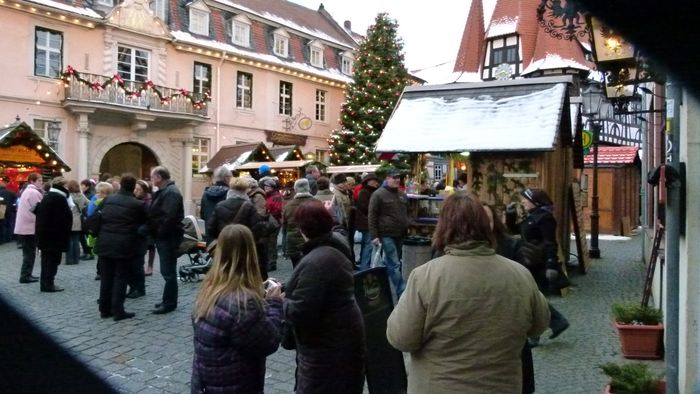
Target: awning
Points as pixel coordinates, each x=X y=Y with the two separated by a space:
x=278 y=165
x=351 y=169
x=517 y=115
x=20 y=145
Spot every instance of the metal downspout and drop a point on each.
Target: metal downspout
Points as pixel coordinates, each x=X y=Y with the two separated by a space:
x=218 y=103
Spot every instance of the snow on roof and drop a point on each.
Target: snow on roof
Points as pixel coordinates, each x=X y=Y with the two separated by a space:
x=287 y=23
x=553 y=61
x=443 y=73
x=185 y=37
x=65 y=7
x=434 y=124
x=501 y=27
x=283 y=156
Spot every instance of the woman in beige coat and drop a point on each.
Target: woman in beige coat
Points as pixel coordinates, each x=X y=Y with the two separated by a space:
x=465 y=316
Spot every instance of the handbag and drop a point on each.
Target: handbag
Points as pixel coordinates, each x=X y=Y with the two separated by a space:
x=377 y=256
x=288 y=342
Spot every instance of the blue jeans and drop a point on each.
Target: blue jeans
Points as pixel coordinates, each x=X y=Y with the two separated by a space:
x=392 y=259
x=167 y=249
x=73 y=253
x=365 y=250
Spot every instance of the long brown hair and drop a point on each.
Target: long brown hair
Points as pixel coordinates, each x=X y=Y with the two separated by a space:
x=462 y=219
x=235 y=270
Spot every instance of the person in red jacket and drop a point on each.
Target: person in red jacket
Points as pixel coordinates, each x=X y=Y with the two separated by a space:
x=274 y=202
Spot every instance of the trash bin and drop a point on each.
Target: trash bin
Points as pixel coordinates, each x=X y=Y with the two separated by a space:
x=416 y=251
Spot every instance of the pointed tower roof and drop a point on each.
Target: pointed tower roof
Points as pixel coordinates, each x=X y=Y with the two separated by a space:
x=471 y=49
x=551 y=53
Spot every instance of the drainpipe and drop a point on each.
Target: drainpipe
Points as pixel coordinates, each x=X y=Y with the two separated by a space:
x=644 y=185
x=218 y=101
x=673 y=223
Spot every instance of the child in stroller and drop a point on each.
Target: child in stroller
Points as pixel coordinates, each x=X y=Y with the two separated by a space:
x=196 y=249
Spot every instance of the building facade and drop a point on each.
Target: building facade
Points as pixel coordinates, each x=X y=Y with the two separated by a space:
x=137 y=83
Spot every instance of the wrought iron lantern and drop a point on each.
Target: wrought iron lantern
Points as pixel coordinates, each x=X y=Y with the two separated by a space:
x=53 y=130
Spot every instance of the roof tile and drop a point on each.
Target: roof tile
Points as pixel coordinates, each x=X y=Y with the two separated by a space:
x=613 y=155
x=471 y=51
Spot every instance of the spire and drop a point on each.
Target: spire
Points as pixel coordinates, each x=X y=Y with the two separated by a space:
x=550 y=53
x=471 y=50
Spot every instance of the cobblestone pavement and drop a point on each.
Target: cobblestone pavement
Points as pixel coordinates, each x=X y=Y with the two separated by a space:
x=153 y=353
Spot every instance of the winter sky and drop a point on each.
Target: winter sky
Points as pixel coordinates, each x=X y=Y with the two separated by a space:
x=431 y=30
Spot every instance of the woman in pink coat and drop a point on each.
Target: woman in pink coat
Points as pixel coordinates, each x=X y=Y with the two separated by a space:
x=25 y=225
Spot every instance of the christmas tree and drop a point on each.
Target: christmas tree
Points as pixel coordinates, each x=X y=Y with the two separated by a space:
x=379 y=77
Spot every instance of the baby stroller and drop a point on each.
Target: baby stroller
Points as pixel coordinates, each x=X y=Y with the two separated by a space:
x=195 y=248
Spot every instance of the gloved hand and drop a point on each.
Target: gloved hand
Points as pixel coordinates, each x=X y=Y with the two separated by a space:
x=551 y=274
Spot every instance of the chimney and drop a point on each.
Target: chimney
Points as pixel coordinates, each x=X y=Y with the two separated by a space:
x=347 y=25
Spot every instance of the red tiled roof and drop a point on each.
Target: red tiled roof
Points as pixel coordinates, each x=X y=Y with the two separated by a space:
x=218 y=23
x=567 y=50
x=613 y=155
x=471 y=50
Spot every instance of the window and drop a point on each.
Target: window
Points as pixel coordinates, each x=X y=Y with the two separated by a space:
x=199 y=22
x=320 y=105
x=244 y=90
x=132 y=63
x=200 y=154
x=158 y=8
x=285 y=98
x=322 y=155
x=108 y=3
x=41 y=127
x=281 y=43
x=346 y=65
x=241 y=31
x=504 y=55
x=48 y=48
x=316 y=53
x=202 y=78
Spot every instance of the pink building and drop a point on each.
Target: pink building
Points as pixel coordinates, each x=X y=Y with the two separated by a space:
x=169 y=83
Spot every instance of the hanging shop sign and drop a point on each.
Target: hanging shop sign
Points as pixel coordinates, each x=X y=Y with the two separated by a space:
x=280 y=138
x=20 y=154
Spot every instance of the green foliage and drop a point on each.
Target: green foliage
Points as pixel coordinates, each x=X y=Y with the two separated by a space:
x=631 y=378
x=634 y=313
x=379 y=76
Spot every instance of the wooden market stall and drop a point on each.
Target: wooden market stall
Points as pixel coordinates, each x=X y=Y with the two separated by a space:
x=510 y=135
x=22 y=152
x=234 y=156
x=619 y=172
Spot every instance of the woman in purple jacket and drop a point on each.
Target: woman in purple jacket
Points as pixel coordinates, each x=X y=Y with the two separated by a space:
x=236 y=322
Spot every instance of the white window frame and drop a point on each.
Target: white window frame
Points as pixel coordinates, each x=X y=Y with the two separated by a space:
x=285 y=98
x=108 y=3
x=134 y=54
x=321 y=101
x=41 y=127
x=346 y=63
x=158 y=7
x=240 y=30
x=199 y=19
x=316 y=53
x=202 y=78
x=242 y=89
x=46 y=51
x=200 y=153
x=280 y=46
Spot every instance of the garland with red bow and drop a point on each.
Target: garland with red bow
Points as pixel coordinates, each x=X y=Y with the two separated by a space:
x=145 y=87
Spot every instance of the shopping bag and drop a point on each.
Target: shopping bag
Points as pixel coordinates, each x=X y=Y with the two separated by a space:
x=377 y=256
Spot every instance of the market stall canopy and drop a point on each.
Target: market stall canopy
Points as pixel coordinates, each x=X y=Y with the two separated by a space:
x=352 y=169
x=276 y=165
x=519 y=115
x=233 y=156
x=286 y=153
x=22 y=146
x=611 y=156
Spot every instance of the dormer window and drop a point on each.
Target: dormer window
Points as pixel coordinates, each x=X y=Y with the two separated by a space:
x=108 y=3
x=502 y=59
x=281 y=43
x=346 y=63
x=199 y=18
x=158 y=8
x=240 y=30
x=316 y=53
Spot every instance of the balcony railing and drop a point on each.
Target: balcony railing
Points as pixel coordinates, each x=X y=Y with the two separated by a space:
x=133 y=94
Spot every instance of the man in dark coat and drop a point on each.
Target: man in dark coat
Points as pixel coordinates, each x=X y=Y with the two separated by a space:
x=54 y=220
x=8 y=198
x=312 y=174
x=122 y=215
x=369 y=185
x=165 y=222
x=214 y=194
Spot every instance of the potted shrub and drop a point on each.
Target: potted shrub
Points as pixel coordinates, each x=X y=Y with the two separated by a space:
x=640 y=329
x=634 y=378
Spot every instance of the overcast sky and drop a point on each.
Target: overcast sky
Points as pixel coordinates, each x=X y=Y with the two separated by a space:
x=431 y=30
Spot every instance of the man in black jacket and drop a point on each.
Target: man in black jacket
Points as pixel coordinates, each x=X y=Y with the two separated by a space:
x=165 y=222
x=121 y=216
x=214 y=194
x=54 y=220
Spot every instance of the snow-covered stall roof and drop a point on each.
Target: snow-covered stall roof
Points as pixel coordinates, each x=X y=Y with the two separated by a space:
x=518 y=115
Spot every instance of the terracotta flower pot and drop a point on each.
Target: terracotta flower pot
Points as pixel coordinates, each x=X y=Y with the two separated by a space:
x=662 y=388
x=641 y=342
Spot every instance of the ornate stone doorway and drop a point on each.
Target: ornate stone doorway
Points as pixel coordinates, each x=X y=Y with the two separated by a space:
x=129 y=157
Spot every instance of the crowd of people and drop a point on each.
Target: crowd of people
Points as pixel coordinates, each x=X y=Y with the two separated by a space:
x=468 y=317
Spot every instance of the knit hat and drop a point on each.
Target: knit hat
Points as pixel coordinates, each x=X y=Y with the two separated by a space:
x=537 y=196
x=394 y=173
x=339 y=178
x=268 y=181
x=264 y=170
x=302 y=186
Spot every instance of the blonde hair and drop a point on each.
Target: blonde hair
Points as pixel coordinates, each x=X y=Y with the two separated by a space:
x=105 y=188
x=235 y=270
x=240 y=184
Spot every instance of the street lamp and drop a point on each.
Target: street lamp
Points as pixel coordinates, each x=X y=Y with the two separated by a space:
x=53 y=130
x=593 y=101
